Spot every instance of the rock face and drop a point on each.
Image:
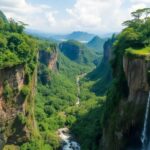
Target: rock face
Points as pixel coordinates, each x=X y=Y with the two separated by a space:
x=13 y=104
x=103 y=70
x=71 y=50
x=108 y=49
x=124 y=131
x=78 y=52
x=15 y=79
x=136 y=71
x=49 y=59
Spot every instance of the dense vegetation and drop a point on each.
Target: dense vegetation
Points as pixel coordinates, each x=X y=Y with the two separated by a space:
x=15 y=46
x=78 y=52
x=18 y=49
x=54 y=104
x=135 y=36
x=101 y=76
x=56 y=97
x=96 y=44
x=132 y=41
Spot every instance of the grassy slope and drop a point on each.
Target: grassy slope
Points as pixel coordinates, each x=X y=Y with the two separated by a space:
x=138 y=52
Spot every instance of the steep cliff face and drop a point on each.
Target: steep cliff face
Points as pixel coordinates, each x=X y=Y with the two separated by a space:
x=71 y=49
x=78 y=52
x=14 y=106
x=49 y=59
x=136 y=71
x=124 y=128
x=103 y=74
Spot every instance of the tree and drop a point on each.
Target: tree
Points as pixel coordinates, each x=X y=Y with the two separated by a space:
x=21 y=26
x=3 y=43
x=1 y=24
x=138 y=13
x=14 y=39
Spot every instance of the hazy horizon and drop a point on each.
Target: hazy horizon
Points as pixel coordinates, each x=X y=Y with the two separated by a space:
x=66 y=16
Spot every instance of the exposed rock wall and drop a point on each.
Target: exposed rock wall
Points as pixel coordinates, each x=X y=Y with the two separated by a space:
x=15 y=79
x=49 y=59
x=125 y=124
x=71 y=50
x=12 y=131
x=136 y=71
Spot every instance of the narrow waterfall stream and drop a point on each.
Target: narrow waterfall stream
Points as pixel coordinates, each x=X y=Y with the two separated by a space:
x=144 y=138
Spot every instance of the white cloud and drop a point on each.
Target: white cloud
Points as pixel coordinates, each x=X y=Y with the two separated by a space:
x=36 y=16
x=97 y=15
x=88 y=15
x=138 y=4
x=140 y=1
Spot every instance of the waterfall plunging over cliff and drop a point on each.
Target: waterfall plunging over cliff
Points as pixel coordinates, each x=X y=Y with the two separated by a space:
x=144 y=138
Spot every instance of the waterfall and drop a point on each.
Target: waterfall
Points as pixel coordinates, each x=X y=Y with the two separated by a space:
x=68 y=142
x=144 y=131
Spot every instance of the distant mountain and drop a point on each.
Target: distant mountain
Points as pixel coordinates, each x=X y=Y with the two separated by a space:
x=80 y=36
x=96 y=44
x=108 y=35
x=102 y=75
x=77 y=52
x=77 y=35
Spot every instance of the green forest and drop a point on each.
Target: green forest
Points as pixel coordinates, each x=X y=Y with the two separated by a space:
x=49 y=86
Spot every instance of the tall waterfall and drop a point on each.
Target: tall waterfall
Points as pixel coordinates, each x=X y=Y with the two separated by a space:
x=144 y=139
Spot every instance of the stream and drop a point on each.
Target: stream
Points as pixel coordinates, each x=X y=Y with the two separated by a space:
x=68 y=142
x=78 y=77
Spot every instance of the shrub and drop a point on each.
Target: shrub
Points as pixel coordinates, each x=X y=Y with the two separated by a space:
x=8 y=92
x=22 y=118
x=25 y=91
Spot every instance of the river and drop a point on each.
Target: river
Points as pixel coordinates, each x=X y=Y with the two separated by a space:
x=64 y=133
x=78 y=86
x=68 y=142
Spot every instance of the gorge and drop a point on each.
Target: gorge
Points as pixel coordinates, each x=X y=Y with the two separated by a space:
x=71 y=95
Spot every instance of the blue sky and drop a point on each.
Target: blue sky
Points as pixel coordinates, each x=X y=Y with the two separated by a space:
x=64 y=16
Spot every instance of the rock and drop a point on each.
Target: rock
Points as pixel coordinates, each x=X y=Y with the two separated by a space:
x=49 y=59
x=136 y=70
x=14 y=131
x=128 y=114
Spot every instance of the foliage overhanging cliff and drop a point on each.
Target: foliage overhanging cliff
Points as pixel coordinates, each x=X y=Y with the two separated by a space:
x=111 y=96
x=128 y=94
x=18 y=59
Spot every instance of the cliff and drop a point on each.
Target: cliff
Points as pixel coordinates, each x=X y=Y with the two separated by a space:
x=78 y=52
x=125 y=125
x=16 y=106
x=49 y=59
x=71 y=49
x=127 y=97
x=136 y=72
x=103 y=74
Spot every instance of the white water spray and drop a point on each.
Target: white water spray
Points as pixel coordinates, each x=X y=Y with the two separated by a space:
x=144 y=131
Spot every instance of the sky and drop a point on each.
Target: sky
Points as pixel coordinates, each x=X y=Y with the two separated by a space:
x=64 y=16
